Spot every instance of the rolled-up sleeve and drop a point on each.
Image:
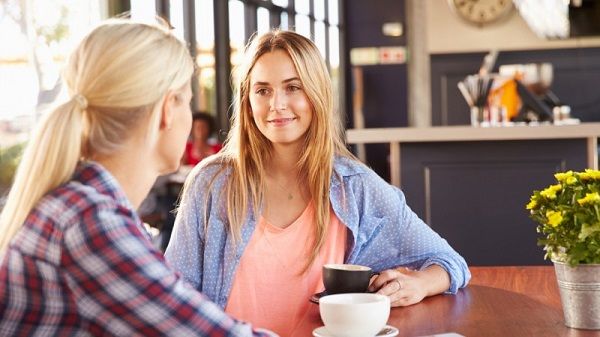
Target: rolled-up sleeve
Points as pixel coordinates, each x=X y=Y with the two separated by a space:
x=392 y=235
x=425 y=243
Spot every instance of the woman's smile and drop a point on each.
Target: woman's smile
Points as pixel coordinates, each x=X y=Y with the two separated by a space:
x=280 y=122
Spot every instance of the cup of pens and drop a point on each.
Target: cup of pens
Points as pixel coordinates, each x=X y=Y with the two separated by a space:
x=475 y=89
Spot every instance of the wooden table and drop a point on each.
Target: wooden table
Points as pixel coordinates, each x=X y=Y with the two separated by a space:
x=499 y=301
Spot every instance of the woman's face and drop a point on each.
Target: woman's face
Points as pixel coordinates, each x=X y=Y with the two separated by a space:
x=280 y=107
x=200 y=130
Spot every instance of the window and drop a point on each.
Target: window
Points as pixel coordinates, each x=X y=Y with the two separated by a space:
x=176 y=18
x=316 y=19
x=35 y=45
x=263 y=24
x=205 y=57
x=303 y=25
x=58 y=24
x=237 y=30
x=143 y=10
x=29 y=81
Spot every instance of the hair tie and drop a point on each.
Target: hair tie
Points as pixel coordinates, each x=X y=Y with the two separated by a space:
x=81 y=101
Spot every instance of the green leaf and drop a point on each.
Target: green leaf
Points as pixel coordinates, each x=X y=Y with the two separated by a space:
x=587 y=230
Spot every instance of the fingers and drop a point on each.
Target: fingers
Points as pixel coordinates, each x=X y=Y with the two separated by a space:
x=400 y=285
x=398 y=300
x=399 y=294
x=391 y=288
x=383 y=279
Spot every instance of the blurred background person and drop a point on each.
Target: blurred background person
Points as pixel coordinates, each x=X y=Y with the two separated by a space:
x=163 y=197
x=202 y=143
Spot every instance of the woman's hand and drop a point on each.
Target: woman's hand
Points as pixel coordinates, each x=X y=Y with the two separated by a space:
x=405 y=286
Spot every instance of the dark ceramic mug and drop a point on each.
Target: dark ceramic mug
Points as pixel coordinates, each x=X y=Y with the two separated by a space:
x=346 y=278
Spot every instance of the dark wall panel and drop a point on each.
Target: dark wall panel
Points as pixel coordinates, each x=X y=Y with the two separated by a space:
x=364 y=20
x=385 y=86
x=385 y=96
x=385 y=91
x=474 y=194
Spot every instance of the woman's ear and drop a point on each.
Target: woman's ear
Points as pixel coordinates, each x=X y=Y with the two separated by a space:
x=167 y=110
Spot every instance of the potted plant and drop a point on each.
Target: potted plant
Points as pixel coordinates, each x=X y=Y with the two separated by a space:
x=568 y=217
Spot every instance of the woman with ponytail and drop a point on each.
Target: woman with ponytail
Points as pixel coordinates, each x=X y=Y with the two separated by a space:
x=75 y=259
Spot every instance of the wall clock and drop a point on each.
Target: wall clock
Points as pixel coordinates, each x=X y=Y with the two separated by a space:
x=481 y=12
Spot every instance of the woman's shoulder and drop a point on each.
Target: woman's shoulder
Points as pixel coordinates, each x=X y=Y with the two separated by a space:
x=67 y=203
x=214 y=169
x=352 y=168
x=358 y=176
x=348 y=166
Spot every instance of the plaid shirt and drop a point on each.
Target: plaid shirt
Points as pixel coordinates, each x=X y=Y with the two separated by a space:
x=83 y=265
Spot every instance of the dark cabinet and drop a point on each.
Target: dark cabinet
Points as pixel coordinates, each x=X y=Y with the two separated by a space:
x=474 y=193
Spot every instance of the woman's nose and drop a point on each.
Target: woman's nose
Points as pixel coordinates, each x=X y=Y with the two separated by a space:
x=278 y=101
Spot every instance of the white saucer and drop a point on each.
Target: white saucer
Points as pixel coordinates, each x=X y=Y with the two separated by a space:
x=387 y=331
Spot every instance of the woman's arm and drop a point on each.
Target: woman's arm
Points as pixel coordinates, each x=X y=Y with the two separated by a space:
x=122 y=285
x=391 y=235
x=185 y=251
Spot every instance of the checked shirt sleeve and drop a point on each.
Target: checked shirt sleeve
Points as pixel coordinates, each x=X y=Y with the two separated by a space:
x=121 y=284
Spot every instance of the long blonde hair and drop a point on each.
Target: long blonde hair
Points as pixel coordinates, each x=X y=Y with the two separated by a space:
x=115 y=77
x=247 y=150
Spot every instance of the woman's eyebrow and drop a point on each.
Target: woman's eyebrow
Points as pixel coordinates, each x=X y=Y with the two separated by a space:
x=290 y=80
x=260 y=83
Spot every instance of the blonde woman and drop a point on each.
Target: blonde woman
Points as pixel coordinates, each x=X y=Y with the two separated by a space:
x=75 y=257
x=258 y=220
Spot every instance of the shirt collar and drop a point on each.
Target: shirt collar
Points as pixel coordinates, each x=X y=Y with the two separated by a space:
x=95 y=175
x=345 y=166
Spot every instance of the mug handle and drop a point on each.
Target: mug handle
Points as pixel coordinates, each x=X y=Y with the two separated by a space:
x=373 y=273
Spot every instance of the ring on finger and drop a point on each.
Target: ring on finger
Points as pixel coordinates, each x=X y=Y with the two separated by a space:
x=399 y=284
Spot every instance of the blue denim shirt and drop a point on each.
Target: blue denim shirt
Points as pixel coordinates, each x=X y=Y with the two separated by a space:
x=386 y=233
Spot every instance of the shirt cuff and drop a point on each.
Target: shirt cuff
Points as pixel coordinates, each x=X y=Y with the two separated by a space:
x=458 y=277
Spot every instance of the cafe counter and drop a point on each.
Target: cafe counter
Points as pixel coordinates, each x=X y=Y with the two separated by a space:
x=471 y=184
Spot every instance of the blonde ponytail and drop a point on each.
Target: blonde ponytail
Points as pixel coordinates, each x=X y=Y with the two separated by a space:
x=49 y=160
x=117 y=74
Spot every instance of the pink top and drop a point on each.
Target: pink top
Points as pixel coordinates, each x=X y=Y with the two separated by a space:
x=269 y=289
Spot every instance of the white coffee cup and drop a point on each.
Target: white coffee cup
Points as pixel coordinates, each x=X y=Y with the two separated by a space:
x=354 y=314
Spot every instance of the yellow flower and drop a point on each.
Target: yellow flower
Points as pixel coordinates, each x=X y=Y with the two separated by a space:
x=554 y=218
x=568 y=216
x=589 y=198
x=550 y=192
x=563 y=177
x=590 y=175
x=532 y=204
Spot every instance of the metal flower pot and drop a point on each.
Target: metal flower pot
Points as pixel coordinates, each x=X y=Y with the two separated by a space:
x=579 y=288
